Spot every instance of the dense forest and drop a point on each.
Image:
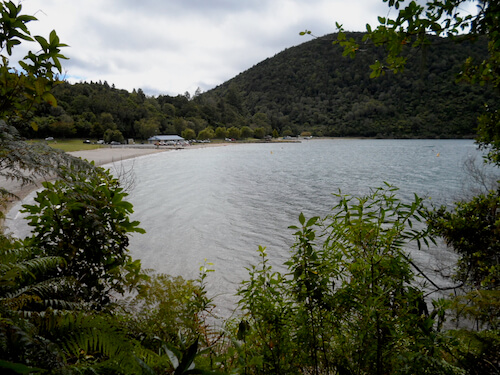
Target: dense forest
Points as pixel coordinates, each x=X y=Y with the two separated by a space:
x=308 y=88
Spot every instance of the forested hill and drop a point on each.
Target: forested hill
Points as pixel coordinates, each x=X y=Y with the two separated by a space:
x=313 y=87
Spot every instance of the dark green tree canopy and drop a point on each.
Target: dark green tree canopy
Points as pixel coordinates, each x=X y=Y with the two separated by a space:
x=417 y=27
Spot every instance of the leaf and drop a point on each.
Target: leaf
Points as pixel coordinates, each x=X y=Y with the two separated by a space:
x=302 y=219
x=19 y=368
x=187 y=362
x=43 y=42
x=312 y=221
x=171 y=356
x=49 y=99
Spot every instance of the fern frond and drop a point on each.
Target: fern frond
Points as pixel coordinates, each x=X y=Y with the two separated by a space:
x=98 y=338
x=27 y=270
x=19 y=302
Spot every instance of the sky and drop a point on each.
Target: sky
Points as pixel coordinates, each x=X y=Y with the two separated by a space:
x=168 y=47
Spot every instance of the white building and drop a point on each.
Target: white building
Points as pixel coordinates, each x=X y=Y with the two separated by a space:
x=165 y=139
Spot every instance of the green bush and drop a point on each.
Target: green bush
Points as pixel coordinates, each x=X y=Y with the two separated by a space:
x=83 y=218
x=349 y=302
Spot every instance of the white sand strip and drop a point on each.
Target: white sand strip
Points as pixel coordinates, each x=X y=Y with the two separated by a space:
x=108 y=155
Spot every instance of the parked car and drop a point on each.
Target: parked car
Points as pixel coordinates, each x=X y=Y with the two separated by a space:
x=100 y=142
x=86 y=141
x=115 y=143
x=49 y=138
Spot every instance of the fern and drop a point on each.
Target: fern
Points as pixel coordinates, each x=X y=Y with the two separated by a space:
x=95 y=341
x=26 y=281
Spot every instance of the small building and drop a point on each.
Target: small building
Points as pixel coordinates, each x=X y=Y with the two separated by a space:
x=165 y=138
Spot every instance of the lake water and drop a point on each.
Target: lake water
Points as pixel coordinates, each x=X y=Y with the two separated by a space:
x=221 y=203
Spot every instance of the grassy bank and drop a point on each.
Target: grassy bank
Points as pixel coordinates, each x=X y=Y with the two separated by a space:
x=69 y=145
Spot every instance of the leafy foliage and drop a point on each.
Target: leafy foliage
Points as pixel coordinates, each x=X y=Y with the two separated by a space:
x=20 y=91
x=26 y=282
x=471 y=228
x=350 y=303
x=25 y=163
x=312 y=87
x=83 y=218
x=351 y=300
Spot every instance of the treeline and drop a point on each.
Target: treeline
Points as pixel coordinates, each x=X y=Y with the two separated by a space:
x=308 y=88
x=100 y=111
x=312 y=87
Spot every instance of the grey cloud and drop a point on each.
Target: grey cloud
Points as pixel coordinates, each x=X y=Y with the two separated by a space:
x=175 y=45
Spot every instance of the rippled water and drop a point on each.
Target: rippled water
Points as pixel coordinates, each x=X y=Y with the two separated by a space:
x=221 y=203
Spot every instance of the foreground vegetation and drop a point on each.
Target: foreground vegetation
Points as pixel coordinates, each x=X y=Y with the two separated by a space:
x=352 y=301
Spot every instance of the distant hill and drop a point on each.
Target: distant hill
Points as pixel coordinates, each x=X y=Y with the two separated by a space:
x=312 y=87
x=307 y=88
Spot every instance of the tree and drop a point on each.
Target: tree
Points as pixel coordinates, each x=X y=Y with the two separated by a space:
x=180 y=124
x=20 y=91
x=246 y=132
x=221 y=132
x=411 y=29
x=259 y=133
x=146 y=128
x=83 y=218
x=259 y=120
x=197 y=93
x=63 y=127
x=472 y=227
x=206 y=133
x=349 y=302
x=107 y=121
x=234 y=132
x=188 y=134
x=113 y=136
x=35 y=298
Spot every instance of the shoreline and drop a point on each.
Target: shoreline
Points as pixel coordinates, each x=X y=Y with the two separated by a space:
x=100 y=156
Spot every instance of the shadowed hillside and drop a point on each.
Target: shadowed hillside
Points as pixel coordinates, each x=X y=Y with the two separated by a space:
x=313 y=87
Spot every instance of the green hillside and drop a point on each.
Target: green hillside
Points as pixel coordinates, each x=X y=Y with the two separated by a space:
x=310 y=87
x=313 y=87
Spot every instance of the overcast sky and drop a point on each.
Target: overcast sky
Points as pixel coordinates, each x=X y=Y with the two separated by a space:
x=173 y=46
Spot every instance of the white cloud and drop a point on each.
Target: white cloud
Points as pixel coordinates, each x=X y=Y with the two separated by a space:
x=173 y=46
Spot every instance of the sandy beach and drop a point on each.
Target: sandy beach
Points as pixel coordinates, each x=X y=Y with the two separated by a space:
x=100 y=156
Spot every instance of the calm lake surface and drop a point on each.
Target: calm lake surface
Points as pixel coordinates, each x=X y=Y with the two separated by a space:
x=221 y=203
